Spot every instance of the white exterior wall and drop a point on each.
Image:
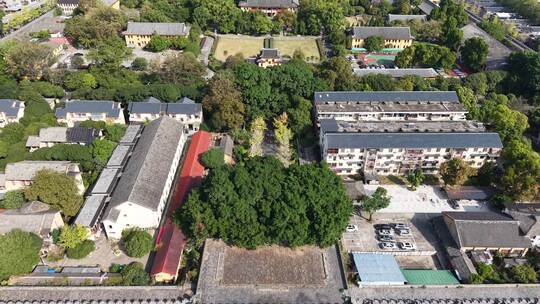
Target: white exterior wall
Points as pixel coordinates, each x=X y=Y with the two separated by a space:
x=393 y=116
x=4 y=119
x=72 y=118
x=192 y=122
x=133 y=215
x=399 y=160
x=67 y=9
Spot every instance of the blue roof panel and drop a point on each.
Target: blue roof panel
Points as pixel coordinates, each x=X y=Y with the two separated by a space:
x=378 y=268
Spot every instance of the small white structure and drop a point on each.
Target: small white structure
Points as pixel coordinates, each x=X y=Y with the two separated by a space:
x=140 y=197
x=11 y=111
x=49 y=137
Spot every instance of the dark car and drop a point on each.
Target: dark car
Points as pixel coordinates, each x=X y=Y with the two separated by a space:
x=386 y=238
x=382 y=226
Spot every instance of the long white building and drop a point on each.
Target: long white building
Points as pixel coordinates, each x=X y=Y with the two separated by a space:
x=141 y=194
x=386 y=133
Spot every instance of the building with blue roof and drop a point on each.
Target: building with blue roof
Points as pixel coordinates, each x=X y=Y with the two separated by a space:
x=377 y=269
x=76 y=111
x=184 y=110
x=11 y=111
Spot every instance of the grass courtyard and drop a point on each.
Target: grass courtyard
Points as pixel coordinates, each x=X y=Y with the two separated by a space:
x=249 y=46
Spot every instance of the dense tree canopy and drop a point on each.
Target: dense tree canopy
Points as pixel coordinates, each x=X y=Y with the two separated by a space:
x=56 y=189
x=474 y=53
x=426 y=55
x=137 y=243
x=19 y=253
x=260 y=202
x=455 y=172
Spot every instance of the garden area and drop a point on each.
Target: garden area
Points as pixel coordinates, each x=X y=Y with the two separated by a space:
x=250 y=46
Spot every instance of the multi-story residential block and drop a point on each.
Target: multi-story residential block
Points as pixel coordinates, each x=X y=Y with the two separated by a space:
x=270 y=7
x=382 y=133
x=69 y=6
x=184 y=110
x=138 y=34
x=388 y=106
x=49 y=137
x=395 y=38
x=21 y=174
x=11 y=111
x=141 y=194
x=76 y=111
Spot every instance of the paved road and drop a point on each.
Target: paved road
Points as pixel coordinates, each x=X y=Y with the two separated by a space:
x=30 y=6
x=46 y=21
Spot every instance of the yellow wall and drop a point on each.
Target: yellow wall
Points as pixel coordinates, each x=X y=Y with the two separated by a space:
x=389 y=43
x=138 y=40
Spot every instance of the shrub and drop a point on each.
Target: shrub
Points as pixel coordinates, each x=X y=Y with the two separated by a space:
x=72 y=236
x=134 y=274
x=139 y=64
x=137 y=242
x=213 y=158
x=81 y=250
x=13 y=200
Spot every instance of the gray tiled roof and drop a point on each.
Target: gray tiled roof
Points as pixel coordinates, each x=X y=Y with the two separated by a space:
x=486 y=229
x=395 y=32
x=91 y=210
x=106 y=181
x=398 y=73
x=38 y=221
x=10 y=106
x=427 y=6
x=386 y=96
x=270 y=3
x=75 y=2
x=130 y=136
x=119 y=156
x=111 y=108
x=155 y=106
x=146 y=172
x=53 y=134
x=395 y=17
x=269 y=54
x=163 y=29
x=412 y=140
x=26 y=170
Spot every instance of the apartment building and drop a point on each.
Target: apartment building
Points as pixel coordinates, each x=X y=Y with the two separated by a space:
x=384 y=133
x=49 y=137
x=11 y=111
x=21 y=174
x=395 y=38
x=270 y=7
x=138 y=34
x=388 y=106
x=184 y=110
x=76 y=111
x=139 y=198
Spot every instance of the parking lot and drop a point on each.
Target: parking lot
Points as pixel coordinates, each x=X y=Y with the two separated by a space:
x=366 y=238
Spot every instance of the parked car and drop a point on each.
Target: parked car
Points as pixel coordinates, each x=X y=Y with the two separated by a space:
x=406 y=246
x=400 y=226
x=384 y=232
x=386 y=238
x=382 y=226
x=351 y=228
x=403 y=232
x=454 y=204
x=387 y=245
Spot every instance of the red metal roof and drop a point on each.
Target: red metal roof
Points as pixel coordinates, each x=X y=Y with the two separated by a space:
x=171 y=240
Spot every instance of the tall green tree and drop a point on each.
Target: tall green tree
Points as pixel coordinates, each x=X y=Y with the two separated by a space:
x=56 y=189
x=377 y=201
x=224 y=103
x=19 y=253
x=256 y=129
x=283 y=137
x=374 y=43
x=455 y=172
x=474 y=53
x=109 y=54
x=72 y=236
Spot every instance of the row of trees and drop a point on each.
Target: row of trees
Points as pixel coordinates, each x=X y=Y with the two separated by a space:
x=260 y=202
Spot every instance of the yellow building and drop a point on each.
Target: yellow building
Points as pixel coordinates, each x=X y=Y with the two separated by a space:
x=395 y=38
x=269 y=58
x=138 y=34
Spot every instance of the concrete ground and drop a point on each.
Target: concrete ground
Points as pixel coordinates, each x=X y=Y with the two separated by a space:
x=426 y=199
x=103 y=257
x=365 y=239
x=418 y=262
x=46 y=22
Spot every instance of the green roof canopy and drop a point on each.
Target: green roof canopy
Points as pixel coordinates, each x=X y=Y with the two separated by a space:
x=429 y=277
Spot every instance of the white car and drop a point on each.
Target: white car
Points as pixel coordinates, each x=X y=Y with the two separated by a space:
x=403 y=232
x=406 y=246
x=400 y=226
x=384 y=232
x=351 y=228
